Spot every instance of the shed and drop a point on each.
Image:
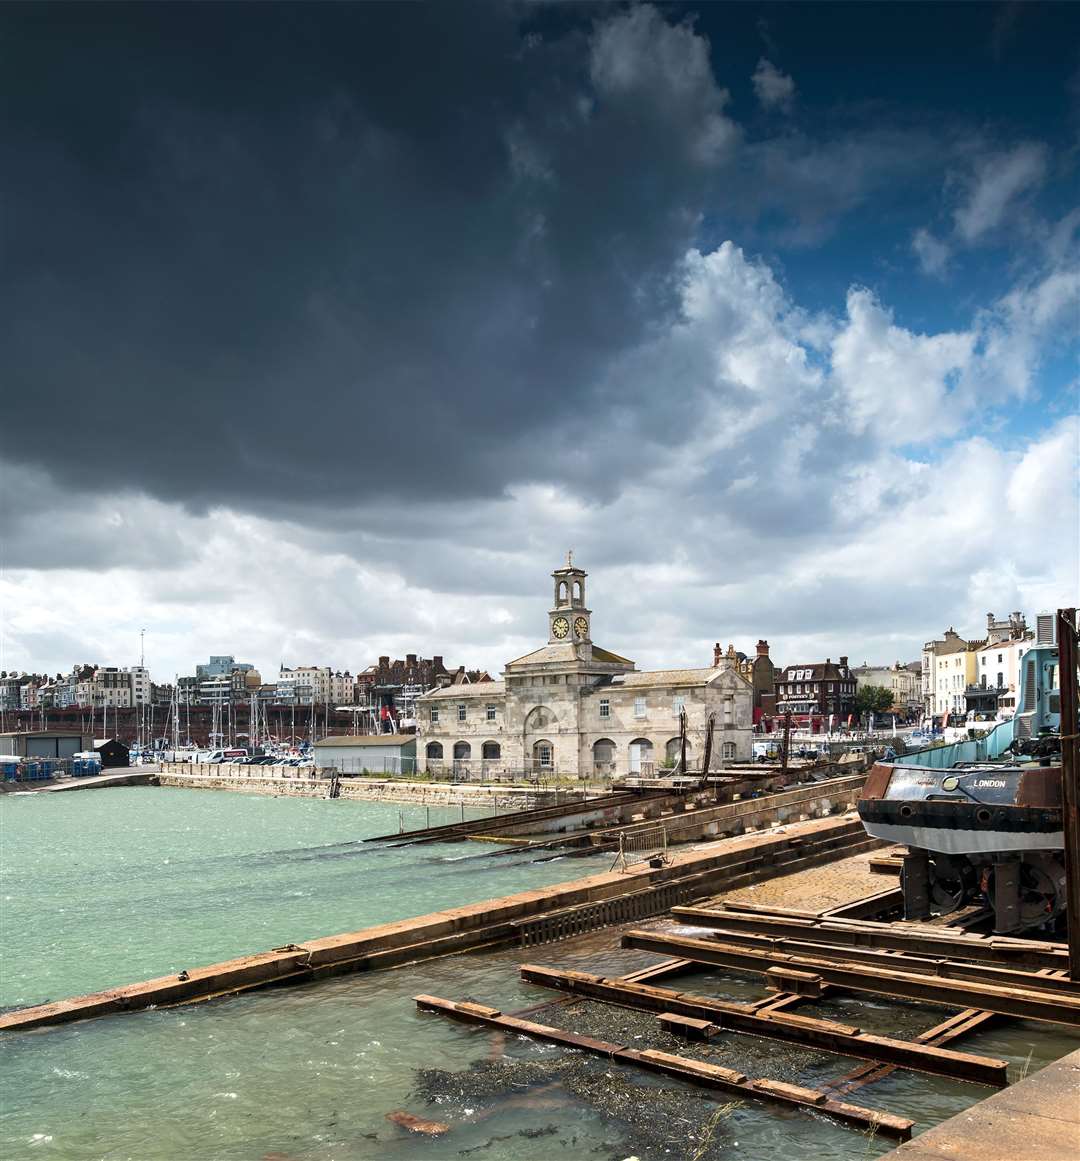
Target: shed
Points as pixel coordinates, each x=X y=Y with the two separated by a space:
x=44 y=743
x=375 y=753
x=113 y=752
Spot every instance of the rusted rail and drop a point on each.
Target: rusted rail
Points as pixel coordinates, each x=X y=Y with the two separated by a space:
x=937 y=966
x=828 y=1035
x=1002 y=950
x=682 y=1068
x=1007 y=1001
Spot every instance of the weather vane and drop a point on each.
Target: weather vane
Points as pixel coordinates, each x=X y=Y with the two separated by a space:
x=569 y=558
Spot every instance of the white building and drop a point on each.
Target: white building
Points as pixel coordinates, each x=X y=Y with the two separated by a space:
x=574 y=707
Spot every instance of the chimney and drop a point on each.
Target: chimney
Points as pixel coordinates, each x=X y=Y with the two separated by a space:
x=436 y=663
x=717 y=653
x=828 y=661
x=843 y=662
x=763 y=648
x=410 y=659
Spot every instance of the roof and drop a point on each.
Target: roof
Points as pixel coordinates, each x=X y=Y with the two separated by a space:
x=367 y=740
x=670 y=677
x=567 y=652
x=477 y=689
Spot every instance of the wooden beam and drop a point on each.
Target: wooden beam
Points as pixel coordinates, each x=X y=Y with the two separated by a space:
x=774 y=1024
x=1002 y=950
x=695 y=1072
x=961 y=1024
x=940 y=967
x=1008 y=1001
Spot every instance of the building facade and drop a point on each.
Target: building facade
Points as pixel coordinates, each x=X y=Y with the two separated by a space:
x=578 y=709
x=815 y=692
x=902 y=681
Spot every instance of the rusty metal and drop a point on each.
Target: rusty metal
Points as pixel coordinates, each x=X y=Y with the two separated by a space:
x=961 y=1024
x=907 y=960
x=1070 y=779
x=1007 y=1001
x=920 y=940
x=773 y=1023
x=689 y=1071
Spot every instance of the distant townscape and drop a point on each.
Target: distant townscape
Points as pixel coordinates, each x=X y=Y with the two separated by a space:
x=569 y=703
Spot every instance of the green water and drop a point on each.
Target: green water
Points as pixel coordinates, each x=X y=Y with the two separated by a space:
x=113 y=886
x=121 y=884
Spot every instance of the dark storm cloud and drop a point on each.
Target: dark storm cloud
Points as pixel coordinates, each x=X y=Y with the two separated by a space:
x=243 y=244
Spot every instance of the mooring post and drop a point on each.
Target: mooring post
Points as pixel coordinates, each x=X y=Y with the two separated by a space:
x=1070 y=772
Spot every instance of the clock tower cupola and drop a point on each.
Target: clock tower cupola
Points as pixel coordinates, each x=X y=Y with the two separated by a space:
x=568 y=620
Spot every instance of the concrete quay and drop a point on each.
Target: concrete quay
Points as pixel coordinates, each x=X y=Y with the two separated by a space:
x=699 y=871
x=125 y=776
x=1037 y=1119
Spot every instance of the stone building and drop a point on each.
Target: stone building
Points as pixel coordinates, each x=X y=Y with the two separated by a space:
x=759 y=670
x=577 y=708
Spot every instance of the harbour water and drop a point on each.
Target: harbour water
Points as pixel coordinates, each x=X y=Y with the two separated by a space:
x=118 y=885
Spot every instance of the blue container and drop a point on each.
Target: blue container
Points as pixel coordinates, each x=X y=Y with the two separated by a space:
x=9 y=769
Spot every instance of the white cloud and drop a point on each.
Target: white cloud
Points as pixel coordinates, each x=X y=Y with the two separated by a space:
x=997 y=182
x=898 y=383
x=932 y=253
x=768 y=497
x=774 y=89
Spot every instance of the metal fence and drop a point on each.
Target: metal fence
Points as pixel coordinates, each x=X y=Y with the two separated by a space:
x=16 y=769
x=605 y=913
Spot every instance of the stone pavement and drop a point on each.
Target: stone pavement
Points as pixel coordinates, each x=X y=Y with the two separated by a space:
x=817 y=888
x=1037 y=1119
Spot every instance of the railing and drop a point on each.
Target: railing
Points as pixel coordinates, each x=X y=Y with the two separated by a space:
x=17 y=769
x=638 y=846
x=605 y=913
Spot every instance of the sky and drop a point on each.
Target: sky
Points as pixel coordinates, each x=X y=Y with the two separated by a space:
x=328 y=330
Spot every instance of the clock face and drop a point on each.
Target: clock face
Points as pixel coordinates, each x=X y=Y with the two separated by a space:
x=581 y=627
x=560 y=627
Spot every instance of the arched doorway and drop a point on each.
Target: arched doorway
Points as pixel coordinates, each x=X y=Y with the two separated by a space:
x=491 y=751
x=434 y=751
x=641 y=756
x=603 y=756
x=462 y=751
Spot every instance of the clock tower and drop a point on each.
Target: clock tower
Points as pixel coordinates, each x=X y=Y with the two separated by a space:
x=568 y=621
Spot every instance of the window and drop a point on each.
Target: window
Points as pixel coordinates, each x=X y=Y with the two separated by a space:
x=729 y=751
x=434 y=714
x=605 y=707
x=639 y=707
x=491 y=713
x=999 y=659
x=462 y=712
x=678 y=704
x=491 y=751
x=434 y=750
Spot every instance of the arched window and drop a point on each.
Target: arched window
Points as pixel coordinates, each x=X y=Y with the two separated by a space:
x=577 y=590
x=491 y=751
x=562 y=593
x=544 y=754
x=539 y=718
x=673 y=749
x=462 y=751
x=434 y=749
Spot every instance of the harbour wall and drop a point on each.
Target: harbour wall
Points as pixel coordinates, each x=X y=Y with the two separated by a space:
x=309 y=782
